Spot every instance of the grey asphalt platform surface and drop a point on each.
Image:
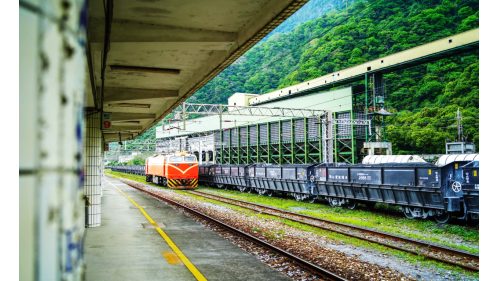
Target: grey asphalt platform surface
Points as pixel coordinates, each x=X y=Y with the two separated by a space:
x=121 y=249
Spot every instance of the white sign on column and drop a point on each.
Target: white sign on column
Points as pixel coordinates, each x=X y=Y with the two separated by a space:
x=106 y=120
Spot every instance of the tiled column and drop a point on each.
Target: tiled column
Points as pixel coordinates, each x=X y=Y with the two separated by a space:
x=52 y=67
x=93 y=170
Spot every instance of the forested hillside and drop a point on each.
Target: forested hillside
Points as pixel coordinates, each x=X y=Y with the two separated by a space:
x=426 y=96
x=310 y=11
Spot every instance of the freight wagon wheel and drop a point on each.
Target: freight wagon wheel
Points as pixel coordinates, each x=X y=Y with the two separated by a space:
x=261 y=191
x=444 y=218
x=351 y=204
x=370 y=204
x=408 y=214
x=297 y=196
x=242 y=188
x=220 y=185
x=270 y=193
x=311 y=199
x=333 y=201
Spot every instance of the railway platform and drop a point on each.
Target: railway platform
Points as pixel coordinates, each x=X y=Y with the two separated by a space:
x=124 y=249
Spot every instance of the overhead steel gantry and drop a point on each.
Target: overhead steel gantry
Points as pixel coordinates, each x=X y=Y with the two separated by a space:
x=133 y=146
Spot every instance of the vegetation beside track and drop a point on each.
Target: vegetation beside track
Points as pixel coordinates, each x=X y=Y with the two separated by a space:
x=446 y=235
x=321 y=211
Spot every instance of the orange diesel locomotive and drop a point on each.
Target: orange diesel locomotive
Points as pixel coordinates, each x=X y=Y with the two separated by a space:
x=177 y=170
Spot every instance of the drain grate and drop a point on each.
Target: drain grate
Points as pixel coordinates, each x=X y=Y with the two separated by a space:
x=149 y=225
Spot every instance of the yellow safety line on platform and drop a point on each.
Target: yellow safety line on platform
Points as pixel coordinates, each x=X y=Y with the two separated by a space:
x=183 y=258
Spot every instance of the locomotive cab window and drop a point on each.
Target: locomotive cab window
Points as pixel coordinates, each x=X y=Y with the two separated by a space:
x=175 y=159
x=189 y=159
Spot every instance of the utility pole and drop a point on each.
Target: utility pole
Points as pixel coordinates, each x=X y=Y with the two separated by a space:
x=459 y=127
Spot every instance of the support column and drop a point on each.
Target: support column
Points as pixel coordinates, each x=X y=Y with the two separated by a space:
x=51 y=121
x=229 y=145
x=268 y=142
x=258 y=144
x=221 y=139
x=248 y=161
x=329 y=137
x=200 y=154
x=306 y=141
x=353 y=140
x=93 y=159
x=102 y=162
x=292 y=139
x=335 y=141
x=366 y=106
x=280 y=141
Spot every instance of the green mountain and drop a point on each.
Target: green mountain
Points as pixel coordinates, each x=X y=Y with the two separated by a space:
x=427 y=96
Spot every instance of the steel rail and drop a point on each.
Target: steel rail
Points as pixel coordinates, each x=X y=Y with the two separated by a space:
x=370 y=231
x=312 y=267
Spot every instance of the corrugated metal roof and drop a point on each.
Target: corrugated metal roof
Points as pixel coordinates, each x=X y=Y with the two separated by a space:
x=338 y=100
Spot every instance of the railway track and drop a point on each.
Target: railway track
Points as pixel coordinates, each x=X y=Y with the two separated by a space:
x=224 y=228
x=442 y=254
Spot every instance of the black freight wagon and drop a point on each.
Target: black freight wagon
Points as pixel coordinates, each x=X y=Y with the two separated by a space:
x=205 y=174
x=418 y=188
x=293 y=178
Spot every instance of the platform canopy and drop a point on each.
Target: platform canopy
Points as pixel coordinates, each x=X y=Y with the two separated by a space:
x=161 y=52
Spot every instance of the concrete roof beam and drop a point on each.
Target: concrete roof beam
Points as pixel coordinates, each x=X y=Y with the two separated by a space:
x=112 y=94
x=117 y=128
x=112 y=137
x=132 y=116
x=138 y=36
